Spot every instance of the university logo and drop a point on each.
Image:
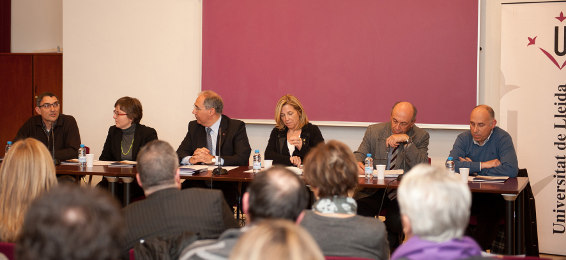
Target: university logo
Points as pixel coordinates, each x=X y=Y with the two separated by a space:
x=559 y=45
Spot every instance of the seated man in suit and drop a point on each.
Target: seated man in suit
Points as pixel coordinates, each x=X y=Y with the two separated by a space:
x=213 y=134
x=276 y=193
x=70 y=222
x=487 y=150
x=167 y=210
x=398 y=144
x=58 y=132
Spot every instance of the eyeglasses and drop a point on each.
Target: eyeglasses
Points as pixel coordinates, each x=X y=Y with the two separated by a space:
x=402 y=124
x=199 y=109
x=48 y=106
x=116 y=113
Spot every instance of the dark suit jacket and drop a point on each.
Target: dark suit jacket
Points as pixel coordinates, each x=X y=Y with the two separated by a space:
x=235 y=145
x=112 y=150
x=278 y=151
x=172 y=211
x=65 y=134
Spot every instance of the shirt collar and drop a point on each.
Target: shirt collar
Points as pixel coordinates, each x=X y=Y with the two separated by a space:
x=484 y=142
x=214 y=127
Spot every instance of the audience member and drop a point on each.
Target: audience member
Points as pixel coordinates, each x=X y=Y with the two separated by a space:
x=332 y=173
x=58 y=132
x=398 y=144
x=26 y=172
x=293 y=136
x=167 y=210
x=276 y=193
x=435 y=210
x=72 y=223
x=276 y=240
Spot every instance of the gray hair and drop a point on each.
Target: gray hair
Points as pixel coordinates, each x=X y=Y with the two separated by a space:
x=157 y=164
x=436 y=203
x=212 y=100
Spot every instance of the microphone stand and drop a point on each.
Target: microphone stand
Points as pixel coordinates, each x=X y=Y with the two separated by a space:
x=219 y=170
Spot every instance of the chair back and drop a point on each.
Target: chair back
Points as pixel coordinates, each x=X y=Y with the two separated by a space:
x=7 y=249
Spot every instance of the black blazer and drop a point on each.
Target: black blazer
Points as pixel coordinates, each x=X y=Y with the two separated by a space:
x=112 y=150
x=172 y=211
x=235 y=145
x=278 y=151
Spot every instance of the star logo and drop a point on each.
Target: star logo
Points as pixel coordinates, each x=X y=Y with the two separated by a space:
x=550 y=56
x=531 y=41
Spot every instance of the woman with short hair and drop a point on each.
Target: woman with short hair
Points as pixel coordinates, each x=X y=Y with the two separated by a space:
x=26 y=172
x=332 y=173
x=125 y=139
x=435 y=211
x=293 y=136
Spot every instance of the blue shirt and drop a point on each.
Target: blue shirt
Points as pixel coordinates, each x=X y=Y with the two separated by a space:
x=498 y=146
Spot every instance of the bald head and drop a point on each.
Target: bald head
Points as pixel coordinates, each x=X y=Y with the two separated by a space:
x=403 y=117
x=482 y=122
x=275 y=193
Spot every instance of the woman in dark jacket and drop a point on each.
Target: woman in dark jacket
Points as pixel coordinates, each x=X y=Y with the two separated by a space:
x=126 y=138
x=293 y=135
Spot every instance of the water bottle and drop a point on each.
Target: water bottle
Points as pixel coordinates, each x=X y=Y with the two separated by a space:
x=82 y=156
x=257 y=162
x=8 y=146
x=450 y=165
x=368 y=170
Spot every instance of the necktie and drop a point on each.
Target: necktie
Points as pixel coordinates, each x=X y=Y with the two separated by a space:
x=209 y=140
x=393 y=158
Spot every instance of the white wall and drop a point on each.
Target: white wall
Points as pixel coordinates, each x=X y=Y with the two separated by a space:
x=152 y=50
x=37 y=25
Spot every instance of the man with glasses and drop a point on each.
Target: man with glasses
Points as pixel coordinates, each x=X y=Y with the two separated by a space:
x=210 y=130
x=398 y=144
x=58 y=132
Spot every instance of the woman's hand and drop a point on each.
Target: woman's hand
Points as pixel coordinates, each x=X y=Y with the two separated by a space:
x=297 y=142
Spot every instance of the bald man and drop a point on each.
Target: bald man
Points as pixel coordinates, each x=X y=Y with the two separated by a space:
x=486 y=149
x=381 y=140
x=398 y=144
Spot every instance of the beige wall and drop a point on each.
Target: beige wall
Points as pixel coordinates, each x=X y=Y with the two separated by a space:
x=37 y=25
x=152 y=50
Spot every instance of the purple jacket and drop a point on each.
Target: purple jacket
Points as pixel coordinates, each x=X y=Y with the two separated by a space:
x=416 y=248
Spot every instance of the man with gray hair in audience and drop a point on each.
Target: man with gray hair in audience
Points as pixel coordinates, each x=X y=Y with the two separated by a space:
x=167 y=210
x=276 y=193
x=435 y=210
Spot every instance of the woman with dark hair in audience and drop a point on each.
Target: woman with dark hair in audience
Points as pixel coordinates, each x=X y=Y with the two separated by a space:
x=26 y=172
x=126 y=137
x=293 y=135
x=332 y=173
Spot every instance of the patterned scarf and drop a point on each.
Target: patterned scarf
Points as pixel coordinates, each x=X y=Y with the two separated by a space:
x=336 y=204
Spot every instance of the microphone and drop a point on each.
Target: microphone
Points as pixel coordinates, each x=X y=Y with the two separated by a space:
x=219 y=170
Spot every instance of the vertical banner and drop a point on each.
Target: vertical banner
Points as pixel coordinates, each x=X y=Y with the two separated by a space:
x=533 y=107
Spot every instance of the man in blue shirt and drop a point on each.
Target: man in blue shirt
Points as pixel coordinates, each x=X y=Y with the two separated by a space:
x=486 y=149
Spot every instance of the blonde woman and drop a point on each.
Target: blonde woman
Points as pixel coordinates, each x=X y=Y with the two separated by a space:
x=27 y=171
x=293 y=135
x=276 y=240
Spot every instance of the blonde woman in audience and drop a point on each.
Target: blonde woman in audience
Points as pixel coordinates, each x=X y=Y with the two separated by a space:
x=27 y=171
x=435 y=210
x=332 y=172
x=276 y=240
